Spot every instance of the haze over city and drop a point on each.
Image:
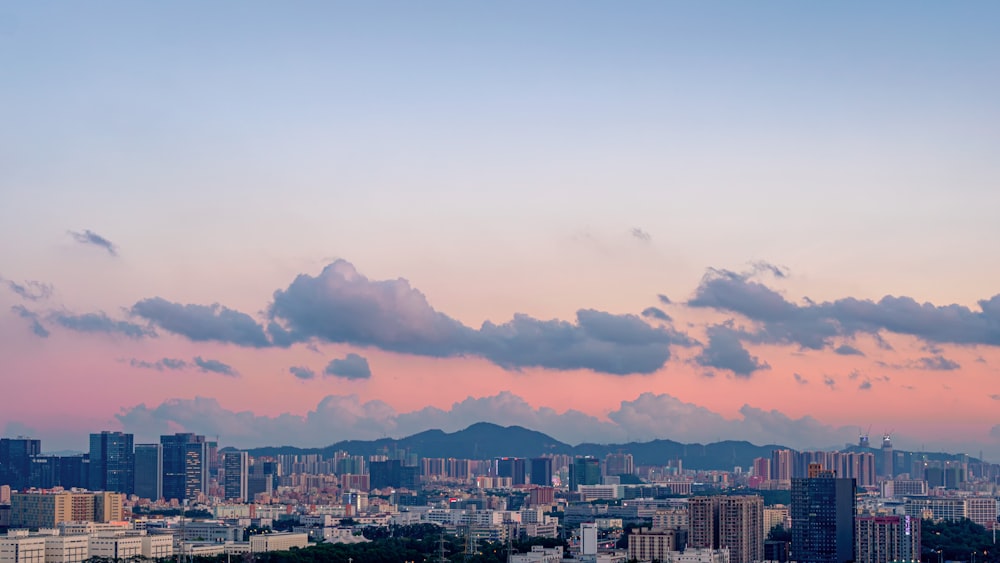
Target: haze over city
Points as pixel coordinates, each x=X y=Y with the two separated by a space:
x=772 y=222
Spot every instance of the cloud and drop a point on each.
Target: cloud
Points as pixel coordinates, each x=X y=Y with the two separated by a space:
x=800 y=379
x=936 y=363
x=100 y=322
x=92 y=238
x=829 y=382
x=663 y=299
x=36 y=325
x=352 y=366
x=813 y=325
x=995 y=397
x=214 y=366
x=656 y=313
x=865 y=385
x=302 y=372
x=641 y=235
x=725 y=351
x=203 y=323
x=159 y=365
x=846 y=350
x=342 y=417
x=342 y=306
x=30 y=290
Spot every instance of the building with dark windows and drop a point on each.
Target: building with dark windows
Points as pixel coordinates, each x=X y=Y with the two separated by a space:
x=236 y=468
x=512 y=467
x=735 y=523
x=584 y=471
x=541 y=471
x=148 y=471
x=185 y=466
x=112 y=462
x=822 y=515
x=15 y=461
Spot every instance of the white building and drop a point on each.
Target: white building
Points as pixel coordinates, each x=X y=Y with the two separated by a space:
x=19 y=547
x=539 y=554
x=110 y=545
x=277 y=542
x=67 y=549
x=699 y=556
x=160 y=546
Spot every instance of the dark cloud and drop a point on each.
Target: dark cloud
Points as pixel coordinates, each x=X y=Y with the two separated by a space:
x=829 y=382
x=814 y=325
x=846 y=350
x=663 y=299
x=936 y=363
x=100 y=322
x=36 y=324
x=995 y=397
x=656 y=313
x=800 y=379
x=340 y=305
x=92 y=238
x=865 y=385
x=214 y=366
x=203 y=323
x=159 y=365
x=30 y=290
x=641 y=235
x=351 y=366
x=302 y=372
x=725 y=351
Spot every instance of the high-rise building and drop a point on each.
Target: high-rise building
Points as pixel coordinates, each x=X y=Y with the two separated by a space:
x=584 y=471
x=148 y=471
x=782 y=464
x=619 y=464
x=884 y=539
x=385 y=474
x=887 y=457
x=15 y=461
x=541 y=471
x=735 y=523
x=112 y=462
x=236 y=466
x=185 y=466
x=822 y=515
x=512 y=467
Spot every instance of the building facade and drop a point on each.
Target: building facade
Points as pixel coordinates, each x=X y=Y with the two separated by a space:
x=822 y=515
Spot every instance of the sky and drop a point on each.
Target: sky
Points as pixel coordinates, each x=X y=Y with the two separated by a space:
x=296 y=223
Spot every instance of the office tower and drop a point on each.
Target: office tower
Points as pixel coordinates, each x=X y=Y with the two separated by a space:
x=236 y=466
x=512 y=467
x=887 y=457
x=385 y=474
x=112 y=462
x=762 y=468
x=185 y=466
x=618 y=464
x=584 y=471
x=15 y=461
x=822 y=515
x=884 y=539
x=735 y=523
x=148 y=471
x=541 y=471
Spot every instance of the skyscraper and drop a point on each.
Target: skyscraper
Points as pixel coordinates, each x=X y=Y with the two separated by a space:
x=584 y=471
x=541 y=471
x=236 y=466
x=15 y=461
x=112 y=462
x=884 y=539
x=512 y=467
x=618 y=464
x=149 y=471
x=822 y=515
x=185 y=466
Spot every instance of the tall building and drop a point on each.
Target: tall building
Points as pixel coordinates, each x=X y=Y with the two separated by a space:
x=619 y=464
x=185 y=466
x=782 y=464
x=236 y=466
x=541 y=471
x=735 y=523
x=148 y=471
x=884 y=539
x=15 y=461
x=584 y=471
x=512 y=467
x=887 y=457
x=112 y=462
x=822 y=515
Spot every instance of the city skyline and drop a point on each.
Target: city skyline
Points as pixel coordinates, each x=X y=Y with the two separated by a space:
x=279 y=226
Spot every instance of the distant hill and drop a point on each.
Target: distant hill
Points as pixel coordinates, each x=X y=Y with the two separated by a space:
x=485 y=440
